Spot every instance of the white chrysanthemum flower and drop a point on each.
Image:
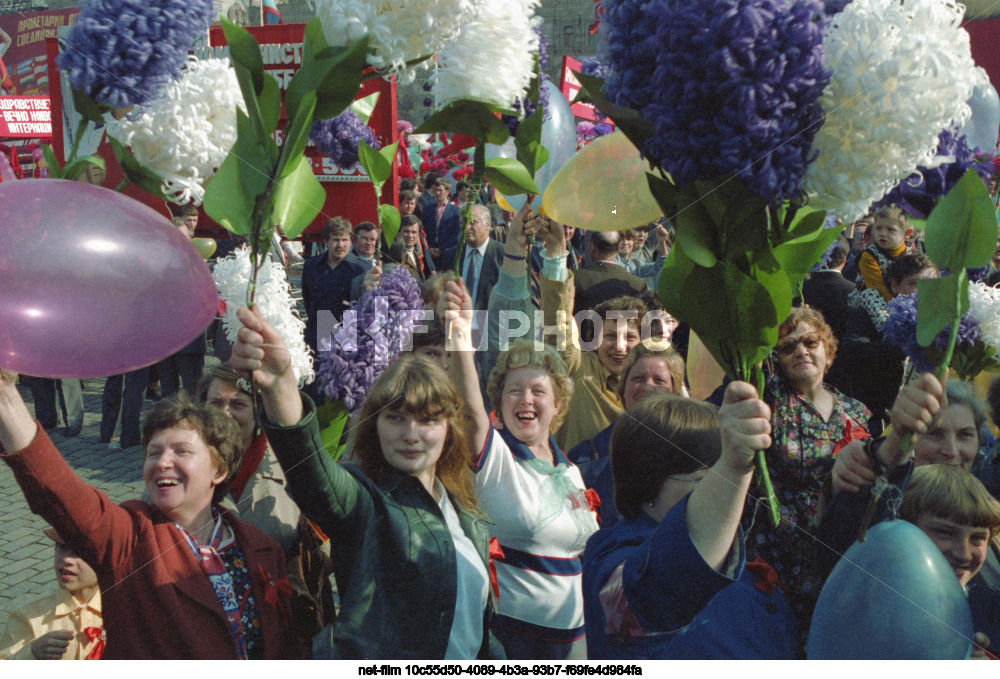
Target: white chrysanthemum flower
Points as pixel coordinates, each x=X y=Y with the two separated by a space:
x=402 y=30
x=984 y=306
x=493 y=58
x=273 y=299
x=186 y=134
x=902 y=72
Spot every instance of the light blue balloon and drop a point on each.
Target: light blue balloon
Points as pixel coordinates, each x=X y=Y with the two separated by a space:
x=984 y=124
x=892 y=597
x=558 y=136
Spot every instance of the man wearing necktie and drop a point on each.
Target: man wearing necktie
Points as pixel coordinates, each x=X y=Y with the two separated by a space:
x=480 y=258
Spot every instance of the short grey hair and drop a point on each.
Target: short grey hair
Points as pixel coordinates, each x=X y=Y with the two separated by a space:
x=483 y=212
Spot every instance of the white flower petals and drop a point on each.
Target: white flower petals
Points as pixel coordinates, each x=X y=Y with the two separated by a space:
x=402 y=30
x=493 y=58
x=902 y=72
x=984 y=306
x=186 y=134
x=273 y=299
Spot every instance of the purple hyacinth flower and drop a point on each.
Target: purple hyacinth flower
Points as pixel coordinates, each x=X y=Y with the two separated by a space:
x=339 y=138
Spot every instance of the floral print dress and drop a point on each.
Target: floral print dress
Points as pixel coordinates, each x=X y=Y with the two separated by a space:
x=799 y=459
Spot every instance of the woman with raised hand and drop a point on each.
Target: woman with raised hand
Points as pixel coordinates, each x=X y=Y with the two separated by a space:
x=410 y=550
x=541 y=513
x=179 y=578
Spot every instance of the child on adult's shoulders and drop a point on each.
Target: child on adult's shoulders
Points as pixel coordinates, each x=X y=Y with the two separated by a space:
x=65 y=624
x=889 y=234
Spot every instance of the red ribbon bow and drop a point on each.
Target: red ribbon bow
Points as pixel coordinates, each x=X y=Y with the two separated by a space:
x=495 y=553
x=767 y=577
x=273 y=589
x=95 y=634
x=594 y=500
x=850 y=434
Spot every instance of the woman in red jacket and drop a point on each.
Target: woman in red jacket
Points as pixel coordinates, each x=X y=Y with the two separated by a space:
x=179 y=578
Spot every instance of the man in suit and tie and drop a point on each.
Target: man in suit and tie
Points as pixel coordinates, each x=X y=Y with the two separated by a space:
x=365 y=240
x=442 y=221
x=480 y=258
x=413 y=255
x=602 y=278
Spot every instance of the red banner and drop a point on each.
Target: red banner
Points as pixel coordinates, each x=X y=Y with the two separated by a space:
x=25 y=118
x=22 y=49
x=569 y=86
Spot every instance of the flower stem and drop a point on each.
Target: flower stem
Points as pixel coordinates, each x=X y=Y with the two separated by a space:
x=121 y=185
x=748 y=373
x=77 y=138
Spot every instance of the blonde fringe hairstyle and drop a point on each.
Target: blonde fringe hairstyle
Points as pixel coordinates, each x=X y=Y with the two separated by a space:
x=675 y=365
x=415 y=385
x=524 y=355
x=950 y=493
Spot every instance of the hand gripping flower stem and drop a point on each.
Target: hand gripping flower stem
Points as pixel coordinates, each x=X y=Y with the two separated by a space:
x=753 y=375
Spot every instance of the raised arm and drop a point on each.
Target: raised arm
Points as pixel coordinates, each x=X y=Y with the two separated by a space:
x=558 y=288
x=260 y=350
x=455 y=311
x=716 y=504
x=17 y=427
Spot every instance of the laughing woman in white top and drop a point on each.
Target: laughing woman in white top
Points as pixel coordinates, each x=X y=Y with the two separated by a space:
x=542 y=513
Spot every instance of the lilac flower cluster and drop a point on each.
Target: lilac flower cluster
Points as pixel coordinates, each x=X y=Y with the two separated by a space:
x=593 y=66
x=730 y=86
x=372 y=335
x=526 y=107
x=919 y=193
x=900 y=328
x=124 y=52
x=339 y=138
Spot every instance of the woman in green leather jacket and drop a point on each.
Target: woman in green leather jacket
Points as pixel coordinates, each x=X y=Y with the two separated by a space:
x=409 y=546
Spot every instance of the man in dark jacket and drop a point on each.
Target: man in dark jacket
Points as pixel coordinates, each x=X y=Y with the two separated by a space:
x=827 y=289
x=602 y=279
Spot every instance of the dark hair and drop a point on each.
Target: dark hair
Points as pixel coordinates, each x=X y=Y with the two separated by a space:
x=407 y=195
x=907 y=265
x=461 y=185
x=660 y=436
x=838 y=253
x=186 y=210
x=414 y=384
x=336 y=226
x=605 y=242
x=623 y=303
x=431 y=178
x=409 y=219
x=364 y=226
x=407 y=185
x=435 y=335
x=993 y=399
x=219 y=432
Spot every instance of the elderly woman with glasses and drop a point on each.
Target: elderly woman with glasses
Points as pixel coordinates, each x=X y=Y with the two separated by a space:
x=810 y=422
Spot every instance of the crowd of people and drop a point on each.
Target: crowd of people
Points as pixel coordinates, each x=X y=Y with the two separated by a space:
x=558 y=496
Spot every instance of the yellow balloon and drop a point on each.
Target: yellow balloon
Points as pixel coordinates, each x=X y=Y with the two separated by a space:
x=602 y=187
x=204 y=246
x=502 y=202
x=704 y=374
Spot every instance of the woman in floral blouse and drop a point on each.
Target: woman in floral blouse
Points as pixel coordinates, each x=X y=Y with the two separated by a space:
x=810 y=422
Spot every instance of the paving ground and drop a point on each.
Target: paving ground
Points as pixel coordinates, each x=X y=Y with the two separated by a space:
x=26 y=556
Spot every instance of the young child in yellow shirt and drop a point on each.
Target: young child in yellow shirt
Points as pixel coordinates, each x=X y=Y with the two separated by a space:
x=889 y=234
x=63 y=625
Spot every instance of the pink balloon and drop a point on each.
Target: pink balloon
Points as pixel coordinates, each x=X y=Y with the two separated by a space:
x=93 y=283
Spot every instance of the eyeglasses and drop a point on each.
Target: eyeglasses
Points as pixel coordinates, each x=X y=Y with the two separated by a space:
x=787 y=346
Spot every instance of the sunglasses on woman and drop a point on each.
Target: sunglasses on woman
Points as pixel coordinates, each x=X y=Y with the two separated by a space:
x=787 y=346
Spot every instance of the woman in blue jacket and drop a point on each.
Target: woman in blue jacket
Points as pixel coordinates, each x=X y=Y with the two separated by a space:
x=670 y=580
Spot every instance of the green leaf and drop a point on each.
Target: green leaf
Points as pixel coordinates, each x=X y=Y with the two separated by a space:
x=298 y=198
x=55 y=169
x=365 y=106
x=332 y=417
x=80 y=165
x=255 y=160
x=297 y=136
x=313 y=40
x=797 y=257
x=389 y=220
x=962 y=229
x=270 y=105
x=244 y=51
x=527 y=141
x=664 y=192
x=253 y=113
x=335 y=74
x=226 y=198
x=629 y=121
x=468 y=117
x=696 y=230
x=88 y=108
x=389 y=153
x=804 y=221
x=510 y=176
x=377 y=167
x=940 y=302
x=141 y=176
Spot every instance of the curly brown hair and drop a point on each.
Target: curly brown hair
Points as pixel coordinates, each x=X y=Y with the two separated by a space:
x=219 y=432
x=813 y=317
x=523 y=354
